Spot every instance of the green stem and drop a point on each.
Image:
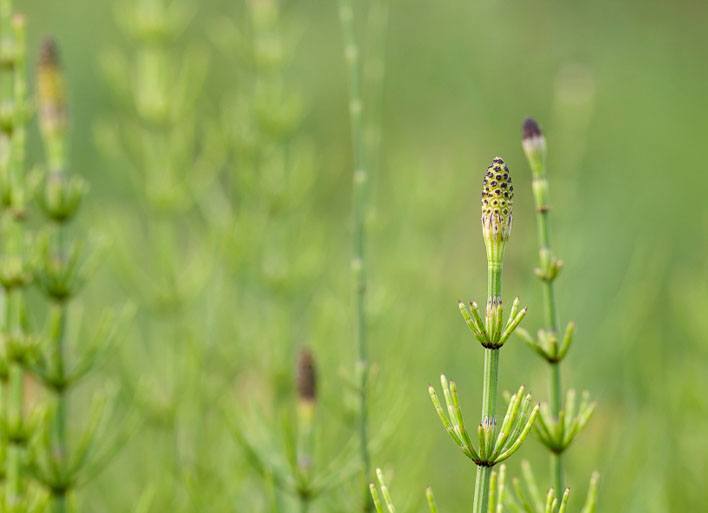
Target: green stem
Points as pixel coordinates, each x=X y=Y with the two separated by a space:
x=481 y=489
x=360 y=179
x=13 y=487
x=6 y=82
x=489 y=384
x=552 y=323
x=489 y=388
x=59 y=438
x=304 y=504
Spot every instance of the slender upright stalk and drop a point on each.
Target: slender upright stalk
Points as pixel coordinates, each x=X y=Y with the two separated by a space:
x=495 y=446
x=360 y=181
x=59 y=438
x=62 y=196
x=15 y=277
x=13 y=486
x=534 y=145
x=489 y=394
x=490 y=378
x=497 y=194
x=540 y=186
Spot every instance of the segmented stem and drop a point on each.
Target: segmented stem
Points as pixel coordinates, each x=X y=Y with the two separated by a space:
x=540 y=189
x=13 y=487
x=360 y=179
x=481 y=490
x=59 y=425
x=489 y=388
x=12 y=147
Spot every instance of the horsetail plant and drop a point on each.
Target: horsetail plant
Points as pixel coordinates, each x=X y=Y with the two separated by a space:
x=526 y=497
x=306 y=401
x=561 y=419
x=493 y=445
x=360 y=207
x=499 y=498
x=15 y=261
x=383 y=503
x=162 y=143
x=60 y=271
x=299 y=477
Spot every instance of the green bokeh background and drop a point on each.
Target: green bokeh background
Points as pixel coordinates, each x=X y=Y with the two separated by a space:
x=620 y=89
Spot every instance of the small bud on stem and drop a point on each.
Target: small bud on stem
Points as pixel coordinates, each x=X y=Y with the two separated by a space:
x=534 y=144
x=306 y=382
x=306 y=377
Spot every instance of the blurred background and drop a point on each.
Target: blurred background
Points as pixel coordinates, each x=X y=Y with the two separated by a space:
x=216 y=142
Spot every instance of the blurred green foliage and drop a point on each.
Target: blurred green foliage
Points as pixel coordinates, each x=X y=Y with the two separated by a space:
x=620 y=90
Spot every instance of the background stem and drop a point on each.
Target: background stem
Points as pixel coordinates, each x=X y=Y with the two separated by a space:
x=59 y=439
x=304 y=504
x=360 y=180
x=13 y=487
x=552 y=323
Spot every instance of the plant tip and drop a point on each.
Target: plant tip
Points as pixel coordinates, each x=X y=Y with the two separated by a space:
x=306 y=376
x=531 y=129
x=51 y=94
x=534 y=144
x=49 y=52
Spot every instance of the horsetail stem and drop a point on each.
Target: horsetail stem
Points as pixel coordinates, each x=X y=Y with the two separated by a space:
x=59 y=275
x=534 y=144
x=14 y=273
x=360 y=204
x=51 y=99
x=497 y=194
x=558 y=423
x=492 y=332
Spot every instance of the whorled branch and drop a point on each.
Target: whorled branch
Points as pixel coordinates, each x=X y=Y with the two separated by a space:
x=493 y=446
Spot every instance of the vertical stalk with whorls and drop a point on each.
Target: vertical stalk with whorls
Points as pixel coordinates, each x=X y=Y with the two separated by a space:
x=534 y=146
x=495 y=444
x=14 y=265
x=558 y=423
x=160 y=138
x=60 y=202
x=360 y=197
x=60 y=271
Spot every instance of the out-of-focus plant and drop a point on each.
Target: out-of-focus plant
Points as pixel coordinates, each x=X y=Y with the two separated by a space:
x=526 y=497
x=561 y=419
x=272 y=216
x=264 y=208
x=361 y=180
x=295 y=469
x=65 y=354
x=18 y=344
x=162 y=140
x=261 y=207
x=365 y=68
x=499 y=500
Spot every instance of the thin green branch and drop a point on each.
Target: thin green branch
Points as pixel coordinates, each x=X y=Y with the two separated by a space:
x=535 y=148
x=359 y=205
